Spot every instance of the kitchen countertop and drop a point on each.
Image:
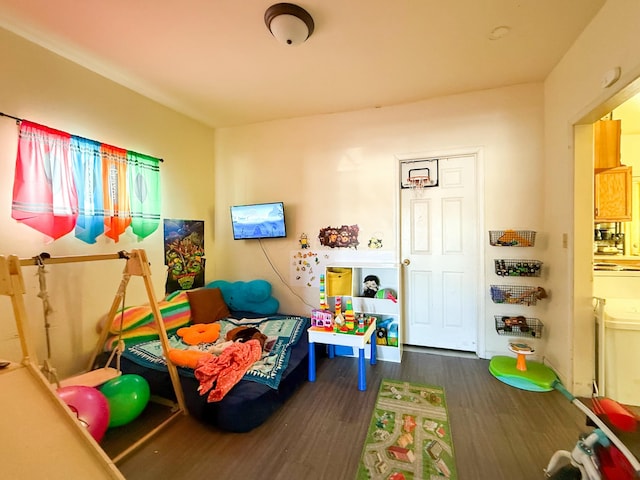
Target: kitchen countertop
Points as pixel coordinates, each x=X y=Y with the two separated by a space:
x=616 y=264
x=635 y=258
x=616 y=273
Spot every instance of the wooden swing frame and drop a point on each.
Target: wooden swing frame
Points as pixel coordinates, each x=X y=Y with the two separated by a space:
x=12 y=285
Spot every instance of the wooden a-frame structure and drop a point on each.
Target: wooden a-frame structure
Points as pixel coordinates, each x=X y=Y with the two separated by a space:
x=27 y=387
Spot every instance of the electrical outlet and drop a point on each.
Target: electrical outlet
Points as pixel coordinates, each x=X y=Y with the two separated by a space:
x=565 y=240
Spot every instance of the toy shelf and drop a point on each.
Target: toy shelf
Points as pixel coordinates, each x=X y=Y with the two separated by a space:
x=518 y=326
x=518 y=268
x=346 y=281
x=516 y=294
x=512 y=238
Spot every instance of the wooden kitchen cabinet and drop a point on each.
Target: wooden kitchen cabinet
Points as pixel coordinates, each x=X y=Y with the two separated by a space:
x=606 y=144
x=612 y=196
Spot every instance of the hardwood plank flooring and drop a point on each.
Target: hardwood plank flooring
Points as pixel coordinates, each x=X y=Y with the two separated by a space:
x=499 y=432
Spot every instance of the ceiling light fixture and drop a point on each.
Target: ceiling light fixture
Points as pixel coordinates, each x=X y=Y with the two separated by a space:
x=289 y=23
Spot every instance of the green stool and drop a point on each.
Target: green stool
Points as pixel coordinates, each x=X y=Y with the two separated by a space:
x=517 y=372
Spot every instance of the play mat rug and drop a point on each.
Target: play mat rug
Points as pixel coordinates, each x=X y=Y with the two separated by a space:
x=409 y=435
x=282 y=333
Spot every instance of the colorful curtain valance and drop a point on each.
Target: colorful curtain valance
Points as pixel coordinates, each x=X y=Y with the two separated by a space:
x=87 y=175
x=64 y=182
x=144 y=193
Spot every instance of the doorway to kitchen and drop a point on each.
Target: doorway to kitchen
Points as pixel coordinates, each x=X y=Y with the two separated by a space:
x=607 y=198
x=590 y=248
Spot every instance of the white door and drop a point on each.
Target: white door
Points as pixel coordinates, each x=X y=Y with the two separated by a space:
x=440 y=251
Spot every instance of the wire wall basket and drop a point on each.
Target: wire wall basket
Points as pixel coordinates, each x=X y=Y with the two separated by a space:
x=518 y=326
x=512 y=238
x=517 y=294
x=518 y=268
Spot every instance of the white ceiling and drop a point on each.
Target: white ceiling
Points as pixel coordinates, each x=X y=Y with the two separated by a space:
x=215 y=60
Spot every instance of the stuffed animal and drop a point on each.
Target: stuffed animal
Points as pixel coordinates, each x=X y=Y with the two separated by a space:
x=187 y=358
x=252 y=296
x=371 y=286
x=199 y=333
x=244 y=334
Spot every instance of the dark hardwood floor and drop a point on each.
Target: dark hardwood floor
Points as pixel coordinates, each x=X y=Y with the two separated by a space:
x=499 y=432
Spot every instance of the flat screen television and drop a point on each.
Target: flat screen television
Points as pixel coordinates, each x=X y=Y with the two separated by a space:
x=261 y=220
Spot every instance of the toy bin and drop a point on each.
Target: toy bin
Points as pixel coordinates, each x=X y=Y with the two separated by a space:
x=342 y=351
x=339 y=281
x=518 y=326
x=517 y=268
x=512 y=238
x=516 y=294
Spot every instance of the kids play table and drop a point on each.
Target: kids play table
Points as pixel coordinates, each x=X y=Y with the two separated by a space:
x=331 y=339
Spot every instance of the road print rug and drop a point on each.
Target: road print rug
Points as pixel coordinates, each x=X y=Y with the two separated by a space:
x=409 y=435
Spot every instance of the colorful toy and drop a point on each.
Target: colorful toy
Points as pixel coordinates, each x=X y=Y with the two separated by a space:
x=370 y=286
x=90 y=405
x=620 y=416
x=519 y=322
x=386 y=331
x=392 y=334
x=244 y=333
x=200 y=333
x=517 y=372
x=349 y=316
x=323 y=298
x=338 y=319
x=322 y=318
x=363 y=323
x=601 y=454
x=387 y=294
x=128 y=396
x=186 y=358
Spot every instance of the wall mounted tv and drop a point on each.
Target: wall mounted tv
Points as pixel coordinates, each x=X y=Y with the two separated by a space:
x=261 y=220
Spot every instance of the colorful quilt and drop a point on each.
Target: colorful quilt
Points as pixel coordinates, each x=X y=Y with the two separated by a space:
x=282 y=332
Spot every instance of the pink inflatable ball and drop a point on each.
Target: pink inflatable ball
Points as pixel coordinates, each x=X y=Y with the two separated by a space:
x=128 y=396
x=91 y=407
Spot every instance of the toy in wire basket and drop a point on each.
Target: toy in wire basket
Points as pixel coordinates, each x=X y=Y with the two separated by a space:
x=517 y=294
x=518 y=326
x=518 y=268
x=512 y=238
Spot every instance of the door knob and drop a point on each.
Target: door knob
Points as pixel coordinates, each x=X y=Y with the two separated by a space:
x=406 y=262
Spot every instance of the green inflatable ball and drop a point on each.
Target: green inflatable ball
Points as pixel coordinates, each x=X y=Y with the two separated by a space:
x=127 y=396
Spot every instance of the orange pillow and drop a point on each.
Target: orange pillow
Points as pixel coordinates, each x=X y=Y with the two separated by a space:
x=186 y=358
x=200 y=333
x=207 y=305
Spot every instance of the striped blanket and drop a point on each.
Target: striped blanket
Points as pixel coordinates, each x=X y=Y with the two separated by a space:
x=138 y=324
